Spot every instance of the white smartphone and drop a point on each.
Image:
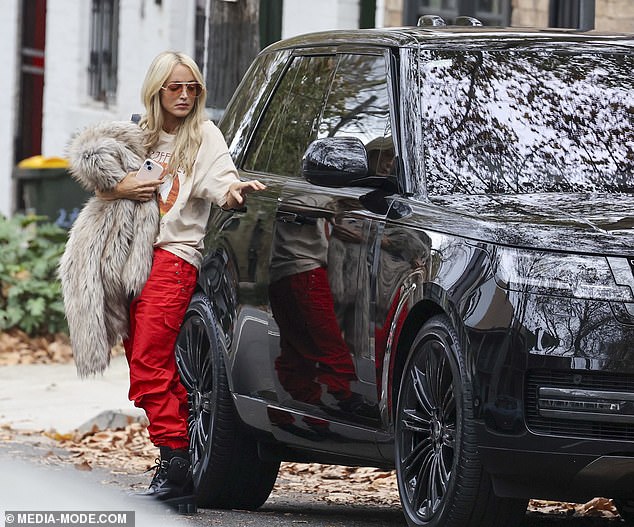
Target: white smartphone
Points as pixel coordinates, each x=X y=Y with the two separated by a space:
x=150 y=170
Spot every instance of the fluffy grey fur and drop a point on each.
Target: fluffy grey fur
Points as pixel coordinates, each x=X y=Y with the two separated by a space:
x=108 y=255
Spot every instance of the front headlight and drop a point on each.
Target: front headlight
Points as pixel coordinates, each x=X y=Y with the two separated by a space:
x=572 y=275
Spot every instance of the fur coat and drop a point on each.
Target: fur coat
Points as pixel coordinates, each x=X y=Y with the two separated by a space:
x=108 y=256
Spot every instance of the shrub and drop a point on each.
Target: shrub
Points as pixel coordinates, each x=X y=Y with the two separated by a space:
x=30 y=292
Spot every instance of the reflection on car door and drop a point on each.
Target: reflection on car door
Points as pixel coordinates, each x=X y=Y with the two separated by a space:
x=320 y=336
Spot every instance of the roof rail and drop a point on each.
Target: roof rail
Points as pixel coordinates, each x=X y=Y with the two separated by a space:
x=431 y=21
x=467 y=21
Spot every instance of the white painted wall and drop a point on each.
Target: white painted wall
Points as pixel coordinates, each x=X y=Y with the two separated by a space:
x=379 y=17
x=145 y=29
x=306 y=16
x=9 y=50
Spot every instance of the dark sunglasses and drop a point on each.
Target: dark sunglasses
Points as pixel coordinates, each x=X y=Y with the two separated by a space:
x=176 y=88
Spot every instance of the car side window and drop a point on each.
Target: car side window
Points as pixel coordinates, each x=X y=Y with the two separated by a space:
x=290 y=121
x=249 y=98
x=358 y=106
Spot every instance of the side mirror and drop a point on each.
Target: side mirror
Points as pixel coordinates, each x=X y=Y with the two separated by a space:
x=335 y=162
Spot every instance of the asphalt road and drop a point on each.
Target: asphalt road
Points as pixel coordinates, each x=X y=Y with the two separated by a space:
x=29 y=482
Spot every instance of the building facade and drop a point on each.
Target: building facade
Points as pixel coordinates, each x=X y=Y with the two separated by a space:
x=70 y=63
x=74 y=62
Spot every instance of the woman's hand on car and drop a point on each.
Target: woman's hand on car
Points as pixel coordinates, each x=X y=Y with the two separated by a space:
x=238 y=191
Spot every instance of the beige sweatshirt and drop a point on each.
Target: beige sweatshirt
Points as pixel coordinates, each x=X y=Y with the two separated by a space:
x=185 y=202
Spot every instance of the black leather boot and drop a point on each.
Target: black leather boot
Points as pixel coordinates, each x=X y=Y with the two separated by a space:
x=172 y=483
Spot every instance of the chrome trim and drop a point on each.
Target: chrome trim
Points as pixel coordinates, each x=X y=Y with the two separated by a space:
x=584 y=404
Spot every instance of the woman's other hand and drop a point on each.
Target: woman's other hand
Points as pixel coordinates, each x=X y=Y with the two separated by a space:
x=238 y=191
x=130 y=187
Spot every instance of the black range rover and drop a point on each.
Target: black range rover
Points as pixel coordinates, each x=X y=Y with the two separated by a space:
x=438 y=278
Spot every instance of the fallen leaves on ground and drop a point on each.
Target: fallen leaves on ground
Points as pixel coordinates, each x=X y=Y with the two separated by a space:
x=595 y=508
x=339 y=484
x=16 y=347
x=129 y=451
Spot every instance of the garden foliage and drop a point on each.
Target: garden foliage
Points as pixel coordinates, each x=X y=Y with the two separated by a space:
x=30 y=292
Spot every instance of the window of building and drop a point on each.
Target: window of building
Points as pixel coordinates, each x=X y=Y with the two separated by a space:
x=572 y=13
x=200 y=34
x=104 y=39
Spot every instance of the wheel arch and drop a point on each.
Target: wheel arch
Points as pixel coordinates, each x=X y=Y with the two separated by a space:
x=431 y=301
x=218 y=282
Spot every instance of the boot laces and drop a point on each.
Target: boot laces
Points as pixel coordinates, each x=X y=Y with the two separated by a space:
x=160 y=471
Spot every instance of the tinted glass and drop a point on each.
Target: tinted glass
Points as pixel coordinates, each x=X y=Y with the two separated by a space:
x=290 y=122
x=258 y=81
x=358 y=106
x=522 y=122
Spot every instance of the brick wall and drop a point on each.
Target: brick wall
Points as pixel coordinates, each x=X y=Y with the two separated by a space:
x=610 y=15
x=529 y=13
x=393 y=13
x=614 y=15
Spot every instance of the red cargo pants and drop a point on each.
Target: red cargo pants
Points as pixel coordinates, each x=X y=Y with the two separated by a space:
x=312 y=350
x=155 y=319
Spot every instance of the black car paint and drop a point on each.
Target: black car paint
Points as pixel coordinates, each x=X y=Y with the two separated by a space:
x=426 y=256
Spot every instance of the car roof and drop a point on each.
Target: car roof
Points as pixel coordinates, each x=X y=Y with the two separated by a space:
x=416 y=36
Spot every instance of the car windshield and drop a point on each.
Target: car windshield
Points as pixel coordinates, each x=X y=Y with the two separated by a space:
x=518 y=121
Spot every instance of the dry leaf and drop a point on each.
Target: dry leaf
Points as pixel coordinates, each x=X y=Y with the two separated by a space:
x=54 y=434
x=84 y=465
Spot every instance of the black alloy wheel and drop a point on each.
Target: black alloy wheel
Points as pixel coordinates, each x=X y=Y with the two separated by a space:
x=227 y=470
x=440 y=478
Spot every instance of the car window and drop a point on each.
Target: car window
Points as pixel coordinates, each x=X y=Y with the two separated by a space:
x=290 y=121
x=250 y=95
x=513 y=121
x=358 y=106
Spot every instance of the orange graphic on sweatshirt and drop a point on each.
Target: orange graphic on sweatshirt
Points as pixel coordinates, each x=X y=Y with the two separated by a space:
x=168 y=191
x=166 y=204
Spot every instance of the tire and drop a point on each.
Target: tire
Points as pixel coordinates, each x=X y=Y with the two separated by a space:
x=227 y=471
x=441 y=480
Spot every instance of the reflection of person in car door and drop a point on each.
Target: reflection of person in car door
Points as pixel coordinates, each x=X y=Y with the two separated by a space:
x=347 y=250
x=402 y=251
x=312 y=351
x=381 y=156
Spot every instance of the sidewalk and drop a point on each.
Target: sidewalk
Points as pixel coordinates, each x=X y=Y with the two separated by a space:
x=51 y=396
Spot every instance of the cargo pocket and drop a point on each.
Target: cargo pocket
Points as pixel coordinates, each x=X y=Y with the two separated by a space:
x=173 y=321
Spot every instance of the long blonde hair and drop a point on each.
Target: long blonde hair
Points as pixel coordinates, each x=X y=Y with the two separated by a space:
x=188 y=133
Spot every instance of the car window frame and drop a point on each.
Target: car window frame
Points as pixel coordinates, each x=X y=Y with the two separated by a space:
x=391 y=69
x=294 y=53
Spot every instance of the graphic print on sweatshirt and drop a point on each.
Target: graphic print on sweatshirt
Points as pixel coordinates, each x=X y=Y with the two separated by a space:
x=168 y=190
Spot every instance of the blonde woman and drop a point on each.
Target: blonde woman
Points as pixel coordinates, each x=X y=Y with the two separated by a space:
x=198 y=171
